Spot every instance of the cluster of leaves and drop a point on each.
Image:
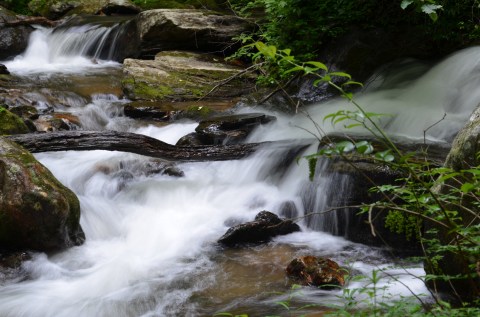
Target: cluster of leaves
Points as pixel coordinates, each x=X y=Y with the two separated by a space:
x=18 y=6
x=304 y=26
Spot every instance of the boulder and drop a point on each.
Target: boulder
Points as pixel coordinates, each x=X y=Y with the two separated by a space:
x=56 y=9
x=13 y=39
x=316 y=271
x=11 y=123
x=184 y=76
x=265 y=226
x=36 y=211
x=188 y=29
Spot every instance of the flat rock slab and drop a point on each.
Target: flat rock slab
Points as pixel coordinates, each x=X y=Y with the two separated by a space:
x=184 y=76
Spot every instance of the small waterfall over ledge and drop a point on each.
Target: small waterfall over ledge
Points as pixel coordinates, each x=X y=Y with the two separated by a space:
x=78 y=44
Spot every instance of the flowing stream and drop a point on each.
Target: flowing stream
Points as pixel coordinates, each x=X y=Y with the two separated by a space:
x=150 y=246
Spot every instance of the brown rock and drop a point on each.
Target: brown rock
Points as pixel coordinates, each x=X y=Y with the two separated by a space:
x=316 y=271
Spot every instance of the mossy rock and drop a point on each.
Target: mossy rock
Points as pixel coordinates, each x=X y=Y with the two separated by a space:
x=183 y=76
x=36 y=211
x=11 y=123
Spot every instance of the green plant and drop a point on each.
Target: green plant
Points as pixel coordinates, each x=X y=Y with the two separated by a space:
x=439 y=205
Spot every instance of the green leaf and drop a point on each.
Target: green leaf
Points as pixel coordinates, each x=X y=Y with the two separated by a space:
x=318 y=65
x=344 y=146
x=364 y=147
x=293 y=69
x=340 y=74
x=467 y=187
x=268 y=51
x=405 y=4
x=351 y=82
x=384 y=156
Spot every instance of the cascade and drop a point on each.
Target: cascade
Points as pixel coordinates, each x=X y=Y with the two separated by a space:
x=77 y=44
x=150 y=245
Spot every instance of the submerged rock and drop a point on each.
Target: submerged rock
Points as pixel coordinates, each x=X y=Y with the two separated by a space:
x=183 y=76
x=36 y=211
x=188 y=29
x=265 y=226
x=316 y=271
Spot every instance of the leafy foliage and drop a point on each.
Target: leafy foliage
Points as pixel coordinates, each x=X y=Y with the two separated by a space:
x=304 y=26
x=438 y=205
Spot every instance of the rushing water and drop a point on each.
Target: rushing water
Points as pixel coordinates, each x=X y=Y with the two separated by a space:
x=150 y=245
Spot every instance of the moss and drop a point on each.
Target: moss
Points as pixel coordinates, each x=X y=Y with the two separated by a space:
x=142 y=90
x=198 y=111
x=11 y=123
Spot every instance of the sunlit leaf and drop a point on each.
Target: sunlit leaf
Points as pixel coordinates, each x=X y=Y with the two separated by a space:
x=340 y=74
x=405 y=4
x=318 y=65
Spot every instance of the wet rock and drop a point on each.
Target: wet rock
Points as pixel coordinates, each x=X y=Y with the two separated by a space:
x=56 y=122
x=188 y=29
x=36 y=211
x=230 y=129
x=149 y=110
x=191 y=139
x=11 y=123
x=14 y=260
x=13 y=39
x=183 y=76
x=265 y=226
x=4 y=70
x=25 y=112
x=11 y=267
x=316 y=271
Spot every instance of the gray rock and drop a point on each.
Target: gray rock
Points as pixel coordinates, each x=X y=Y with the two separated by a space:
x=188 y=29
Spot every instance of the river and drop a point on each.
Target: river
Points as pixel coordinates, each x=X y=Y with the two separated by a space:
x=150 y=246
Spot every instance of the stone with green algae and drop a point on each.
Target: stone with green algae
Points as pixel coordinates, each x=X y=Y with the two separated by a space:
x=37 y=212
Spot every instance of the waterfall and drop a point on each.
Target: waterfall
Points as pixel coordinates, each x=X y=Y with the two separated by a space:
x=76 y=45
x=150 y=245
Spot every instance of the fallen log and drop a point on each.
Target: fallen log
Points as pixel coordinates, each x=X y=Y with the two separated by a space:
x=130 y=142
